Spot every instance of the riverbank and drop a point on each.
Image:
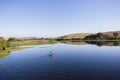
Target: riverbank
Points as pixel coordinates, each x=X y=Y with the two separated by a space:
x=32 y=42
x=15 y=45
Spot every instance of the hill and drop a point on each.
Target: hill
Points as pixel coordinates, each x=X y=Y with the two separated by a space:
x=74 y=36
x=111 y=35
x=2 y=39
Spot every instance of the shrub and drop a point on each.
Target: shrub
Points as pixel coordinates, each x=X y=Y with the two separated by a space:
x=3 y=45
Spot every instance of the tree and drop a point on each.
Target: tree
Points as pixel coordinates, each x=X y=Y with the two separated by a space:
x=99 y=35
x=115 y=35
x=12 y=39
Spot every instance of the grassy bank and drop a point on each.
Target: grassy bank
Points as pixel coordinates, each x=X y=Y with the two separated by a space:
x=14 y=45
x=31 y=42
x=5 y=53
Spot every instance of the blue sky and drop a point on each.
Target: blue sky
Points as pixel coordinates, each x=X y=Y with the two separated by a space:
x=52 y=18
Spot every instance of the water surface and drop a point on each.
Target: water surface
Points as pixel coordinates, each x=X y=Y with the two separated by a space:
x=62 y=62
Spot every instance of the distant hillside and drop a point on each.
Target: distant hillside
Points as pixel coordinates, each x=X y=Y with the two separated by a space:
x=74 y=36
x=2 y=39
x=112 y=35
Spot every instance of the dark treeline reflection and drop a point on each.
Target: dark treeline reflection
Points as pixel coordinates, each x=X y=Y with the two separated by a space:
x=104 y=43
x=98 y=43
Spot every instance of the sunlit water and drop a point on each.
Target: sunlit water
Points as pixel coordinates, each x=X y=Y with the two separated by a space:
x=62 y=62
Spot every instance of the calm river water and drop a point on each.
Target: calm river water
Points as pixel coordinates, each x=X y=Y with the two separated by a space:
x=62 y=62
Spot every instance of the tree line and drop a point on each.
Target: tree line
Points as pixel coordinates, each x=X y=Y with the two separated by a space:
x=102 y=36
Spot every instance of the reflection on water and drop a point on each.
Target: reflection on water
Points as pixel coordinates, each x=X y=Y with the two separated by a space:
x=104 y=43
x=75 y=42
x=98 y=43
x=62 y=62
x=4 y=54
x=1 y=63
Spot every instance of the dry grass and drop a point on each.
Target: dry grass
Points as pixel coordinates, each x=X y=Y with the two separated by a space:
x=77 y=35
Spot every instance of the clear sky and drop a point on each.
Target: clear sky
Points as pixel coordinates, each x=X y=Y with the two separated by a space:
x=51 y=18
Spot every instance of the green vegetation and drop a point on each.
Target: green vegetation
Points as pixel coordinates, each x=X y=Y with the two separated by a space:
x=12 y=45
x=5 y=53
x=31 y=42
x=115 y=35
x=104 y=36
x=3 y=44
